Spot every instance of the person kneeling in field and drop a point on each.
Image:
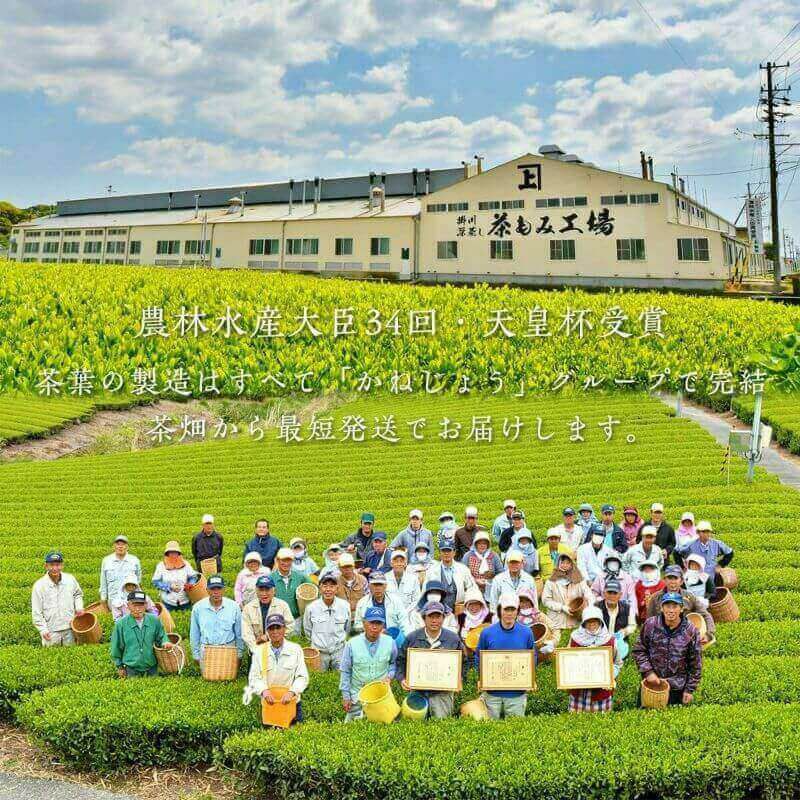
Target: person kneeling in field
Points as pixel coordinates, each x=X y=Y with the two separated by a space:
x=432 y=636
x=592 y=632
x=669 y=648
x=278 y=662
x=507 y=634
x=370 y=656
x=134 y=637
x=56 y=600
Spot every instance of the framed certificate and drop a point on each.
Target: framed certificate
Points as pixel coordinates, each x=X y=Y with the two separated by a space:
x=584 y=668
x=434 y=670
x=507 y=670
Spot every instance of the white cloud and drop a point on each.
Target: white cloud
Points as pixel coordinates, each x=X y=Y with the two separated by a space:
x=176 y=156
x=393 y=74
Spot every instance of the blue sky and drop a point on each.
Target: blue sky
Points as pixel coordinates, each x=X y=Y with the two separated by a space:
x=146 y=96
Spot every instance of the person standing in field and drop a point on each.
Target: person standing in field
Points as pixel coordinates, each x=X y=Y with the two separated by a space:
x=171 y=575
x=115 y=568
x=56 y=600
x=134 y=637
x=207 y=543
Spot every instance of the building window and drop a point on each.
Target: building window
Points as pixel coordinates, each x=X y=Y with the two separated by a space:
x=92 y=247
x=51 y=234
x=693 y=250
x=31 y=247
x=513 y=204
x=614 y=200
x=343 y=247
x=264 y=247
x=50 y=247
x=489 y=205
x=196 y=247
x=302 y=247
x=436 y=207
x=630 y=250
x=71 y=247
x=562 y=249
x=569 y=202
x=379 y=246
x=501 y=249
x=167 y=247
x=642 y=199
x=94 y=232
x=33 y=234
x=458 y=206
x=117 y=231
x=115 y=247
x=446 y=250
x=72 y=233
x=136 y=248
x=12 y=246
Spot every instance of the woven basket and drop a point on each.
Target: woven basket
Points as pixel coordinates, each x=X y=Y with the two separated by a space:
x=730 y=580
x=313 y=659
x=208 y=566
x=576 y=606
x=543 y=634
x=655 y=698
x=306 y=593
x=539 y=583
x=723 y=607
x=712 y=640
x=458 y=609
x=172 y=661
x=220 y=663
x=699 y=623
x=197 y=591
x=166 y=618
x=475 y=709
x=86 y=628
x=100 y=607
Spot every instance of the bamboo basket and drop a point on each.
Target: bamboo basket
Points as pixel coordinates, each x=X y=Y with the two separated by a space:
x=699 y=623
x=166 y=618
x=655 y=698
x=723 y=607
x=458 y=609
x=172 y=661
x=100 y=607
x=576 y=606
x=86 y=628
x=539 y=588
x=730 y=580
x=475 y=709
x=313 y=659
x=220 y=663
x=306 y=594
x=197 y=591
x=278 y=715
x=542 y=634
x=208 y=566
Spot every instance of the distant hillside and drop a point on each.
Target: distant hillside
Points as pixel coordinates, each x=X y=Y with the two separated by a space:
x=10 y=215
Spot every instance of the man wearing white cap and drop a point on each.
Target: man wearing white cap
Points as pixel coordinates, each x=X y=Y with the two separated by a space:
x=287 y=579
x=507 y=634
x=645 y=550
x=715 y=553
x=504 y=520
x=115 y=568
x=207 y=543
x=665 y=533
x=414 y=534
x=466 y=533
x=402 y=583
x=512 y=579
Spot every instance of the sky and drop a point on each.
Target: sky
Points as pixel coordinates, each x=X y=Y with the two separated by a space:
x=148 y=96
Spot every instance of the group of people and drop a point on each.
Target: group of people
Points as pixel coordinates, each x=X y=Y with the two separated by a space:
x=597 y=578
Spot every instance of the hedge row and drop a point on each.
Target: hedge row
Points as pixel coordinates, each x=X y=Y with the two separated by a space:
x=89 y=725
x=683 y=753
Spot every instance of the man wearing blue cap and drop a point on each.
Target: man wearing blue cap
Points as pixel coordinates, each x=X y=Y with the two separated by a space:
x=669 y=648
x=278 y=663
x=673 y=580
x=395 y=615
x=370 y=656
x=432 y=636
x=216 y=620
x=380 y=557
x=614 y=535
x=255 y=613
x=134 y=637
x=56 y=600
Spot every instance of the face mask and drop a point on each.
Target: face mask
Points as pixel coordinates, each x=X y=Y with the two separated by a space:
x=434 y=597
x=692 y=576
x=597 y=539
x=612 y=568
x=299 y=552
x=422 y=556
x=650 y=579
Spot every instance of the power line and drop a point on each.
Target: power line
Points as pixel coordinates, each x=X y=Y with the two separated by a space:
x=788 y=47
x=791 y=31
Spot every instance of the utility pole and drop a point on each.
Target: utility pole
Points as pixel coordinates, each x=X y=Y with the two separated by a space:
x=771 y=114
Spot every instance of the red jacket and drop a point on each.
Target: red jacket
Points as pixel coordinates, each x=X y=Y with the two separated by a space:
x=643 y=595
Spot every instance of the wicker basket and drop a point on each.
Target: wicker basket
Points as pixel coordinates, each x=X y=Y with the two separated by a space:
x=458 y=609
x=475 y=709
x=543 y=634
x=172 y=661
x=576 y=606
x=313 y=659
x=166 y=618
x=699 y=623
x=208 y=566
x=197 y=591
x=539 y=583
x=655 y=698
x=730 y=580
x=306 y=593
x=220 y=663
x=723 y=607
x=712 y=640
x=86 y=628
x=100 y=607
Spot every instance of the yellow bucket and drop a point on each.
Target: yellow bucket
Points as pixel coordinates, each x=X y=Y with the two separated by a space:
x=378 y=702
x=415 y=706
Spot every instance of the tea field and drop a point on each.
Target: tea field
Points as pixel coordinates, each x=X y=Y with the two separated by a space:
x=749 y=698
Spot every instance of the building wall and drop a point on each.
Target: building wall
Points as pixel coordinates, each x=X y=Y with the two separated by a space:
x=595 y=253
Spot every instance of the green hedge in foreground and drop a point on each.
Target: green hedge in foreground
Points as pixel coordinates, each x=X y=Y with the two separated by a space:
x=181 y=720
x=682 y=754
